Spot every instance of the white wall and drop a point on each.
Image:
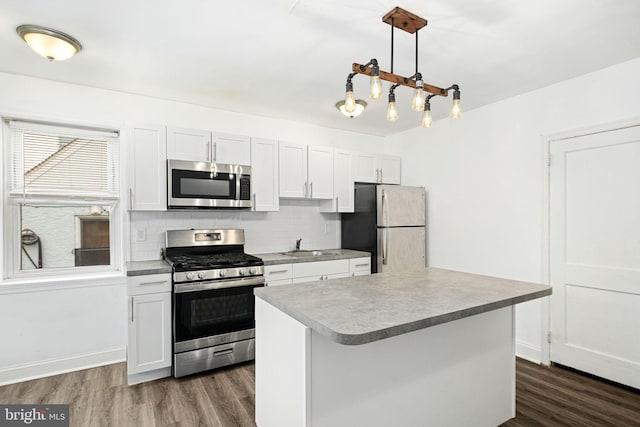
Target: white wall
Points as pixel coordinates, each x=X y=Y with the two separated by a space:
x=75 y=330
x=485 y=176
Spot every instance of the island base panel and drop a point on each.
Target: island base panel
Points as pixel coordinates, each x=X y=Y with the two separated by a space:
x=457 y=373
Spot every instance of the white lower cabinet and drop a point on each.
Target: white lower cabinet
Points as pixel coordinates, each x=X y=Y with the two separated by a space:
x=360 y=266
x=149 y=327
x=320 y=270
x=280 y=274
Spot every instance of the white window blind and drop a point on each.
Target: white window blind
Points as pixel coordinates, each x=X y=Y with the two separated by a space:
x=49 y=160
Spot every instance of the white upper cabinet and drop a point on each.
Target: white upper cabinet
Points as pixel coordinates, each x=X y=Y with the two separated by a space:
x=232 y=149
x=320 y=171
x=306 y=171
x=147 y=168
x=202 y=146
x=376 y=168
x=188 y=144
x=293 y=169
x=343 y=188
x=264 y=174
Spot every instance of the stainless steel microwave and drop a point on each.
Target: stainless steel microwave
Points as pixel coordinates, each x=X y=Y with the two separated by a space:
x=205 y=185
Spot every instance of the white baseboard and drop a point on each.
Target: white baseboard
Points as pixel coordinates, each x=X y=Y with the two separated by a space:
x=47 y=368
x=529 y=352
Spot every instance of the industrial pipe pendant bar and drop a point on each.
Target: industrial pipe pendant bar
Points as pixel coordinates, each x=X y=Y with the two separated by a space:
x=411 y=23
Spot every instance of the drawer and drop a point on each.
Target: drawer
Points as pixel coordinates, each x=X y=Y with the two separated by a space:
x=360 y=265
x=149 y=284
x=279 y=282
x=277 y=272
x=320 y=268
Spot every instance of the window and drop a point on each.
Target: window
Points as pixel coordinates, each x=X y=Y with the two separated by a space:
x=61 y=201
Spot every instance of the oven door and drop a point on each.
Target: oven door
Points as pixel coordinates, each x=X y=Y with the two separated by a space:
x=212 y=313
x=207 y=185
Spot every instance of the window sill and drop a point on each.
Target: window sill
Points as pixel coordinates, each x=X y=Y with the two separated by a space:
x=55 y=282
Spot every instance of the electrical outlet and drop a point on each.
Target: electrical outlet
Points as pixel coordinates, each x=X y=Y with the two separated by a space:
x=141 y=234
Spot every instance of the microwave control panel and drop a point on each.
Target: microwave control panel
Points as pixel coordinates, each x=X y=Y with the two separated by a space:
x=245 y=187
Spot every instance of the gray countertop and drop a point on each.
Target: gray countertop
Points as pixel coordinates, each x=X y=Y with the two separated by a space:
x=141 y=268
x=363 y=309
x=275 y=258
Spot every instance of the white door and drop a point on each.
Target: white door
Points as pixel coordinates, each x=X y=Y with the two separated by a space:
x=232 y=149
x=293 y=169
x=595 y=254
x=149 y=332
x=188 y=144
x=147 y=168
x=389 y=169
x=320 y=170
x=264 y=174
x=343 y=180
x=365 y=168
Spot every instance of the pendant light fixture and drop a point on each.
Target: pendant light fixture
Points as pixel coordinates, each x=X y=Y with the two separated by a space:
x=360 y=106
x=51 y=44
x=406 y=21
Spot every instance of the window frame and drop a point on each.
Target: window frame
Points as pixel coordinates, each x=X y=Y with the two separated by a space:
x=11 y=219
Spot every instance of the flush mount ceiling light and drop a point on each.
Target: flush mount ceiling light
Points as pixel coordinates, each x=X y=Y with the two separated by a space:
x=52 y=44
x=406 y=21
x=360 y=106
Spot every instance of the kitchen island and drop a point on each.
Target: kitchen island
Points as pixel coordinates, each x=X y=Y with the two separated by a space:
x=433 y=347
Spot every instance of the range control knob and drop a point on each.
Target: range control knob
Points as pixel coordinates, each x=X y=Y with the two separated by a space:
x=252 y=270
x=201 y=275
x=222 y=273
x=190 y=276
x=241 y=271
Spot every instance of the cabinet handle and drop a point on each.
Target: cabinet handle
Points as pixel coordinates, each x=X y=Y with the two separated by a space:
x=304 y=189
x=337 y=205
x=381 y=176
x=278 y=271
x=254 y=201
x=215 y=151
x=130 y=199
x=361 y=265
x=159 y=282
x=132 y=308
x=311 y=185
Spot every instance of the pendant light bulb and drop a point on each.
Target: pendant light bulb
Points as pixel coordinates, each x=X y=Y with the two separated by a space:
x=456 y=111
x=349 y=102
x=417 y=102
x=376 y=87
x=427 y=120
x=392 y=109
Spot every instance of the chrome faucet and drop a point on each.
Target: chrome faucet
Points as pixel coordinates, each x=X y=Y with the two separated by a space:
x=298 y=241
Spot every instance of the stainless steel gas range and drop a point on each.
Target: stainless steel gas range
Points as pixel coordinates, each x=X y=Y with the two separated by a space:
x=213 y=302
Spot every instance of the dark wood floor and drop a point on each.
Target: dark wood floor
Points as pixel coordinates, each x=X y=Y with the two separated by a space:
x=100 y=397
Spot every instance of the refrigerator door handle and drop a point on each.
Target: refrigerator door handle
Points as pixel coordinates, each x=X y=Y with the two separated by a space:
x=385 y=242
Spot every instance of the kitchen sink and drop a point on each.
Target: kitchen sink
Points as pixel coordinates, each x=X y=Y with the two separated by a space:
x=303 y=254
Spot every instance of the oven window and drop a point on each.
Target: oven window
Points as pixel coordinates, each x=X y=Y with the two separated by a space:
x=213 y=312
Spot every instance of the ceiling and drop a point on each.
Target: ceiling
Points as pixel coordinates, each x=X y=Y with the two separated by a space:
x=290 y=58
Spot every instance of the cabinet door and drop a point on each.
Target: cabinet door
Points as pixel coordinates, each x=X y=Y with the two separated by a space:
x=343 y=188
x=147 y=165
x=389 y=169
x=293 y=169
x=189 y=144
x=264 y=174
x=365 y=168
x=149 y=332
x=320 y=170
x=232 y=149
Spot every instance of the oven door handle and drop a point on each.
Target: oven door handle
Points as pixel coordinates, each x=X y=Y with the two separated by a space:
x=218 y=284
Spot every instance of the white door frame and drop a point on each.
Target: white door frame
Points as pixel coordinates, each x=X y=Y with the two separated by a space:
x=545 y=270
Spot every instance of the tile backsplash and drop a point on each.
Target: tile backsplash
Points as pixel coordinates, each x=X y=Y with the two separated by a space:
x=264 y=231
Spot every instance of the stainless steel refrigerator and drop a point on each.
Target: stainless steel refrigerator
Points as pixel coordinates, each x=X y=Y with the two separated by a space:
x=390 y=222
